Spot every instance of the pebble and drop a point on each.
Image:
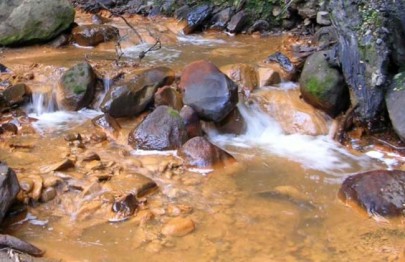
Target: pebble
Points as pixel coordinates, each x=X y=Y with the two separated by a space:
x=178 y=227
x=48 y=194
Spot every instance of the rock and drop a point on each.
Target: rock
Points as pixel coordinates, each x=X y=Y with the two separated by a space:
x=290 y=194
x=208 y=91
x=325 y=36
x=107 y=123
x=322 y=18
x=221 y=19
x=32 y=21
x=61 y=40
x=130 y=97
x=48 y=194
x=232 y=124
x=267 y=77
x=199 y=152
x=182 y=12
x=92 y=35
x=191 y=121
x=323 y=85
x=59 y=166
x=9 y=127
x=259 y=26
x=243 y=75
x=9 y=188
x=124 y=208
x=307 y=12
x=90 y=156
x=134 y=183
x=163 y=129
x=169 y=97
x=4 y=69
x=395 y=101
x=380 y=192
x=282 y=65
x=196 y=18
x=178 y=227
x=77 y=87
x=238 y=22
x=14 y=95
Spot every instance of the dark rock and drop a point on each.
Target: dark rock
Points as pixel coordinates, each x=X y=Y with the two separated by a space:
x=395 y=101
x=163 y=129
x=4 y=69
x=14 y=95
x=33 y=21
x=169 y=97
x=238 y=22
x=323 y=18
x=92 y=35
x=259 y=25
x=221 y=19
x=325 y=36
x=130 y=98
x=191 y=121
x=396 y=24
x=182 y=12
x=9 y=127
x=9 y=188
x=323 y=86
x=107 y=123
x=199 y=152
x=196 y=18
x=77 y=87
x=91 y=156
x=282 y=60
x=208 y=91
x=232 y=124
x=61 y=40
x=13 y=243
x=379 y=192
x=307 y=13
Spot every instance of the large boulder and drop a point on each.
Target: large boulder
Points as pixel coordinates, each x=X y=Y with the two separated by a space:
x=221 y=19
x=77 y=87
x=238 y=22
x=163 y=129
x=9 y=188
x=380 y=192
x=208 y=91
x=395 y=100
x=129 y=98
x=323 y=85
x=199 y=152
x=92 y=35
x=29 y=21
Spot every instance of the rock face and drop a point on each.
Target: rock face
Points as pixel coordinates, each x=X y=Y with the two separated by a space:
x=9 y=188
x=130 y=98
x=92 y=35
x=395 y=100
x=29 y=21
x=208 y=91
x=199 y=152
x=163 y=129
x=379 y=192
x=77 y=87
x=323 y=86
x=196 y=17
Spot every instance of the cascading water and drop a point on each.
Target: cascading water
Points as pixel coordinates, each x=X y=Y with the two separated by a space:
x=42 y=102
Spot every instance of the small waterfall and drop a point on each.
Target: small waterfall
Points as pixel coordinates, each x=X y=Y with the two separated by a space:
x=42 y=102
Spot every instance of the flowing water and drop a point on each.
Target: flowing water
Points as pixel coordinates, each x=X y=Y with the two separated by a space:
x=239 y=215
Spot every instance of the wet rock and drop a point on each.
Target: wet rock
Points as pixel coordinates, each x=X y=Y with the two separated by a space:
x=107 y=123
x=395 y=101
x=163 y=129
x=9 y=127
x=268 y=77
x=130 y=98
x=133 y=183
x=232 y=124
x=7 y=241
x=72 y=137
x=243 y=75
x=4 y=69
x=124 y=207
x=33 y=21
x=77 y=87
x=288 y=193
x=196 y=18
x=178 y=227
x=13 y=96
x=380 y=192
x=259 y=26
x=284 y=63
x=323 y=18
x=221 y=19
x=325 y=36
x=168 y=96
x=60 y=166
x=323 y=85
x=48 y=194
x=92 y=35
x=9 y=188
x=191 y=121
x=208 y=91
x=90 y=156
x=199 y=152
x=238 y=22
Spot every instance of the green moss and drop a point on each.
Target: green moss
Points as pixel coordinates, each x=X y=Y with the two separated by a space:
x=173 y=113
x=77 y=89
x=314 y=86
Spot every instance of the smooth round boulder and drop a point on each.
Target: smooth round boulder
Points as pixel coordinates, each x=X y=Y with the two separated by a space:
x=395 y=101
x=92 y=35
x=32 y=21
x=208 y=91
x=77 y=87
x=200 y=153
x=380 y=192
x=163 y=129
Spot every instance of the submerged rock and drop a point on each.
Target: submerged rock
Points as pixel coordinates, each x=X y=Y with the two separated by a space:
x=208 y=91
x=92 y=35
x=199 y=152
x=77 y=87
x=178 y=227
x=130 y=98
x=395 y=100
x=323 y=85
x=380 y=192
x=32 y=21
x=9 y=188
x=163 y=129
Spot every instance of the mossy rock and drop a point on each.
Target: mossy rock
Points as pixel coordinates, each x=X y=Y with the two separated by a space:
x=77 y=87
x=32 y=21
x=322 y=85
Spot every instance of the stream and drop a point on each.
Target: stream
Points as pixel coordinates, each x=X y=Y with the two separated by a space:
x=278 y=203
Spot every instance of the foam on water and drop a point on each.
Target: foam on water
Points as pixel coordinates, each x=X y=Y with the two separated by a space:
x=313 y=152
x=200 y=40
x=164 y=54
